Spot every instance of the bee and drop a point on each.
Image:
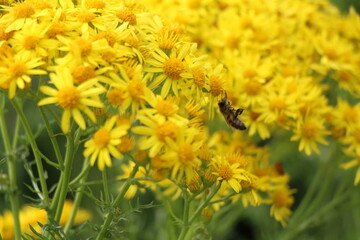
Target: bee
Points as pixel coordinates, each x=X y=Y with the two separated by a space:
x=231 y=114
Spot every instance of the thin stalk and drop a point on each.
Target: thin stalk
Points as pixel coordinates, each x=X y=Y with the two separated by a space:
x=11 y=164
x=16 y=133
x=185 y=218
x=205 y=203
x=69 y=158
x=106 y=186
x=115 y=204
x=30 y=137
x=186 y=227
x=78 y=197
x=52 y=138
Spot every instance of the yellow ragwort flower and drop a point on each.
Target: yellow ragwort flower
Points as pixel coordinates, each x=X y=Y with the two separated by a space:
x=104 y=143
x=72 y=99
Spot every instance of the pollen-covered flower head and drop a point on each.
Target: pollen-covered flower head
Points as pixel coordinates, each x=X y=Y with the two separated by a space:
x=104 y=143
x=72 y=99
x=16 y=71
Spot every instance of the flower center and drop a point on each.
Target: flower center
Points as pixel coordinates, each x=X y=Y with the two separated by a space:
x=254 y=115
x=282 y=199
x=107 y=36
x=17 y=69
x=83 y=73
x=331 y=53
x=5 y=35
x=68 y=97
x=102 y=138
x=277 y=104
x=166 y=108
x=351 y=115
x=30 y=42
x=136 y=90
x=309 y=130
x=108 y=56
x=186 y=154
x=84 y=46
x=55 y=29
x=173 y=67
x=250 y=73
x=126 y=144
x=199 y=77
x=252 y=87
x=85 y=16
x=167 y=129
x=216 y=85
x=127 y=15
x=116 y=96
x=225 y=172
x=22 y=10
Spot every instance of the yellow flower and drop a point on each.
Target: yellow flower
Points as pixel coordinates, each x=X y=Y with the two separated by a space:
x=104 y=143
x=72 y=99
x=181 y=154
x=32 y=41
x=169 y=69
x=16 y=71
x=30 y=216
x=229 y=173
x=134 y=188
x=282 y=200
x=83 y=50
x=310 y=132
x=128 y=89
x=157 y=130
x=19 y=15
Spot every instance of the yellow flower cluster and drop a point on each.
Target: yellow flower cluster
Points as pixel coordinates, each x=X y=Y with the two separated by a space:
x=146 y=88
x=30 y=217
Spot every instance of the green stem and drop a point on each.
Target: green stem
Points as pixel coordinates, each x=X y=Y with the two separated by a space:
x=115 y=204
x=16 y=133
x=69 y=158
x=106 y=186
x=52 y=138
x=185 y=225
x=11 y=164
x=34 y=147
x=78 y=196
x=205 y=203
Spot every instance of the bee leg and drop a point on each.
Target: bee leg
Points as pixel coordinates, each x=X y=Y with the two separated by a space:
x=238 y=111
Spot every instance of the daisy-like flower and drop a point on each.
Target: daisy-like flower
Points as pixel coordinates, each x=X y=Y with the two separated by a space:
x=104 y=142
x=134 y=188
x=129 y=89
x=19 y=14
x=166 y=107
x=157 y=130
x=72 y=99
x=229 y=173
x=169 y=69
x=83 y=50
x=32 y=40
x=181 y=154
x=310 y=132
x=282 y=200
x=16 y=71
